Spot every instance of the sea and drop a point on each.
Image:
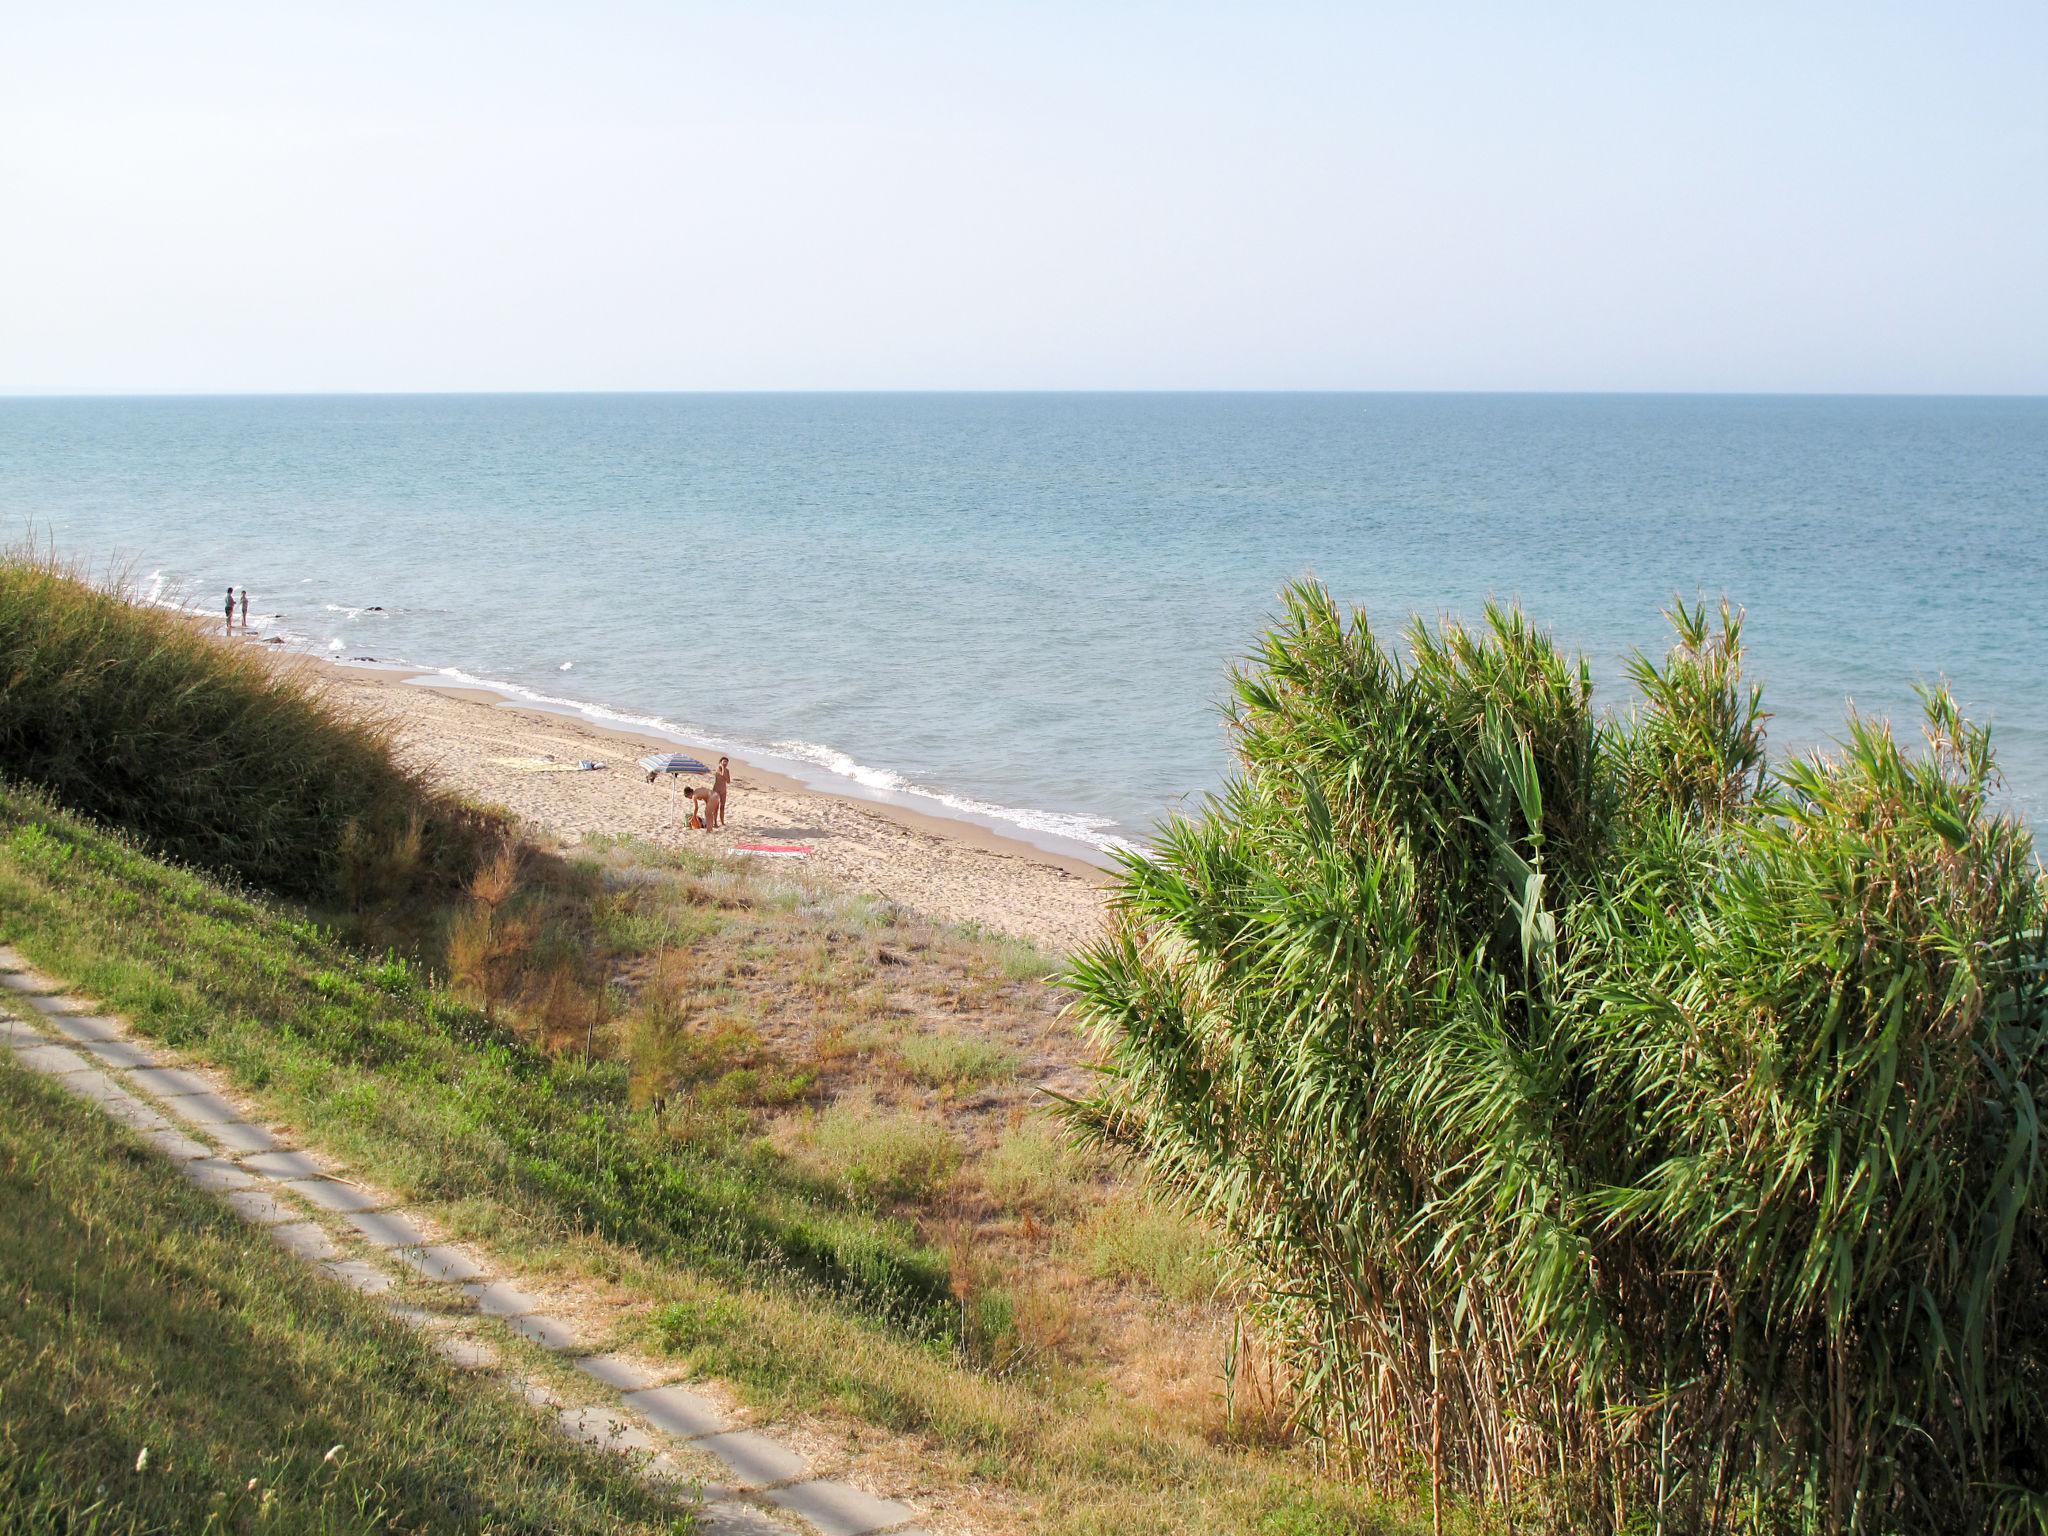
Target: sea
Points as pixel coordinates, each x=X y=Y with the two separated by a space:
x=1021 y=609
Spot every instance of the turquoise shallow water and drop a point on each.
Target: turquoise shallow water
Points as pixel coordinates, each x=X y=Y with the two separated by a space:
x=1021 y=608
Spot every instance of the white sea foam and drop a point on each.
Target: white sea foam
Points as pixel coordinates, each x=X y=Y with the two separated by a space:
x=1092 y=831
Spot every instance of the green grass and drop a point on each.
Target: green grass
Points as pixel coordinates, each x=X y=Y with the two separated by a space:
x=209 y=753
x=1131 y=1237
x=143 y=1317
x=956 y=1062
x=382 y=1065
x=1034 y=1169
x=881 y=1154
x=786 y=1284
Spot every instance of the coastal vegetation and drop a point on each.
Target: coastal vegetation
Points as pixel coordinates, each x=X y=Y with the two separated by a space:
x=1626 y=1131
x=786 y=1135
x=210 y=754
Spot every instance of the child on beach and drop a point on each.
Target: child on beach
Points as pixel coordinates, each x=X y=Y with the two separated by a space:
x=245 y=610
x=701 y=800
x=231 y=610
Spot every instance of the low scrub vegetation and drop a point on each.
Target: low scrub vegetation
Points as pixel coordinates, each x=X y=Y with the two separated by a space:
x=1632 y=1134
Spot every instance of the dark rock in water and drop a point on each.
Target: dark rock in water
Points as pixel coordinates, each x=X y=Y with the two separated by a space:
x=362 y=658
x=373 y=608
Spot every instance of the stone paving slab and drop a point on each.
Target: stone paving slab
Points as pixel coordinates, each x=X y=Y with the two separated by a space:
x=619 y=1372
x=437 y=1261
x=284 y=1165
x=26 y=982
x=333 y=1195
x=238 y=1136
x=538 y=1393
x=138 y=1116
x=13 y=1032
x=840 y=1509
x=53 y=1059
x=754 y=1460
x=84 y=1027
x=167 y=1082
x=729 y=1518
x=64 y=1004
x=116 y=1053
x=98 y=1087
x=676 y=1411
x=201 y=1108
x=174 y=1143
x=307 y=1240
x=496 y=1298
x=605 y=1430
x=361 y=1275
x=547 y=1332
x=260 y=1207
x=387 y=1229
x=467 y=1354
x=218 y=1174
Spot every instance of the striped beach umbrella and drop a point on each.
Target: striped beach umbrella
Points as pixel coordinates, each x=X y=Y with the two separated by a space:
x=672 y=762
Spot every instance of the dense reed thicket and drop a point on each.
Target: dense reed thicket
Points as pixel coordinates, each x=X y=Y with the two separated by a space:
x=1615 y=1131
x=213 y=755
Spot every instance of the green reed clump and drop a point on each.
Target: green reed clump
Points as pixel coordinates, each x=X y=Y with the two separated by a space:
x=211 y=754
x=1621 y=1134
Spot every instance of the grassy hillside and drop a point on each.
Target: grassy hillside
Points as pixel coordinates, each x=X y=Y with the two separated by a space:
x=212 y=753
x=885 y=1243
x=145 y=1318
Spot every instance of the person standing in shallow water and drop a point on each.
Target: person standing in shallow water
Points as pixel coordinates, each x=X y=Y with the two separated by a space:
x=245 y=610
x=231 y=610
x=720 y=782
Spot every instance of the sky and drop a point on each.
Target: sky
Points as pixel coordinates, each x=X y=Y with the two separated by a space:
x=613 y=195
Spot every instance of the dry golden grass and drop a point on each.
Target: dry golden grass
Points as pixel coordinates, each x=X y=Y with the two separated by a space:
x=893 y=1059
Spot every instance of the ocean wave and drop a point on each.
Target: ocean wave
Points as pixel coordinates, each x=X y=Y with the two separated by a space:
x=1072 y=825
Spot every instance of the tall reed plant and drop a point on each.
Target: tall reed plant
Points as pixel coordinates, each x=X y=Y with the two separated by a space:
x=1619 y=1134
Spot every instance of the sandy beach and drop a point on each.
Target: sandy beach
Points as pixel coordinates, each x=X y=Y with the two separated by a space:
x=506 y=753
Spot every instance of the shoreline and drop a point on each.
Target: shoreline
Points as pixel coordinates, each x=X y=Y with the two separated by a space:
x=509 y=751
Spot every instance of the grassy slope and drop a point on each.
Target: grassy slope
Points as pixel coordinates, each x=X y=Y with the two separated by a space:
x=803 y=1295
x=143 y=1314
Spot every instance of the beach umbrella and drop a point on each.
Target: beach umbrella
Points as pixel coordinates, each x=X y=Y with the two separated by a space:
x=671 y=763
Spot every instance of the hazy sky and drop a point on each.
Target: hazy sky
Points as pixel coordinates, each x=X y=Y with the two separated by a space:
x=600 y=195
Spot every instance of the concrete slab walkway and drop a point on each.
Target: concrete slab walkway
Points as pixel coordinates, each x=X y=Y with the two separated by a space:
x=759 y=1484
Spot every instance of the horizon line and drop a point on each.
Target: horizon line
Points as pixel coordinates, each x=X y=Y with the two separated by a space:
x=32 y=392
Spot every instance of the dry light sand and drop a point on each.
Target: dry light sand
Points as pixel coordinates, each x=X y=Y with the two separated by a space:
x=947 y=870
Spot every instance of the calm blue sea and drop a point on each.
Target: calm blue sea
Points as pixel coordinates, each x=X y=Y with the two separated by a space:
x=1021 y=607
